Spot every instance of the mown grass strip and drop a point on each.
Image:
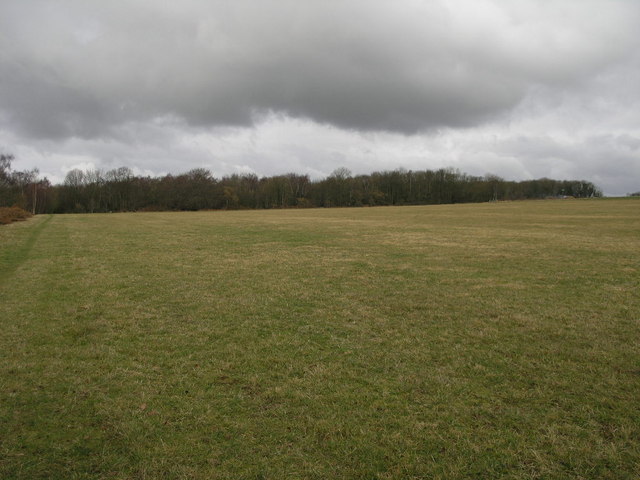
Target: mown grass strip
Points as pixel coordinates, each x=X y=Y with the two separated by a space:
x=14 y=255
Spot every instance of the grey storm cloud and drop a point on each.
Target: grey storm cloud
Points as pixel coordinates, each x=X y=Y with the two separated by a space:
x=81 y=68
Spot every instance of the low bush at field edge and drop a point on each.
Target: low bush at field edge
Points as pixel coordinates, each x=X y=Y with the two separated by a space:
x=12 y=214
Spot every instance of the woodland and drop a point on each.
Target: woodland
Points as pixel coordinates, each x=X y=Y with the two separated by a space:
x=120 y=190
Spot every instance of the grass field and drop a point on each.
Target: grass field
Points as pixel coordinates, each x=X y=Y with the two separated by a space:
x=464 y=341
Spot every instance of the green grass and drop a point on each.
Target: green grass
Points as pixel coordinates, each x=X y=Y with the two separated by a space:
x=446 y=342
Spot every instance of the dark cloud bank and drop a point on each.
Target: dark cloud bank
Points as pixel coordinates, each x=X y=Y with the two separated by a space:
x=90 y=70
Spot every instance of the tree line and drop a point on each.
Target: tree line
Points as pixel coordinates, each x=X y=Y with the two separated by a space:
x=119 y=190
x=22 y=188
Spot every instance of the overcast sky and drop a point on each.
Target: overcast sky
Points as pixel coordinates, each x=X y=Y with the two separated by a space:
x=518 y=88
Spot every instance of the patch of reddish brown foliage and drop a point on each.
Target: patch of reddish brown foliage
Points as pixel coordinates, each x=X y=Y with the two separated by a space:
x=12 y=214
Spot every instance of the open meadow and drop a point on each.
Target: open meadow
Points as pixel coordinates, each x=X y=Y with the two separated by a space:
x=472 y=341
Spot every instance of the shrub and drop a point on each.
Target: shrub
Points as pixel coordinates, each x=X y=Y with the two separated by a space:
x=12 y=214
